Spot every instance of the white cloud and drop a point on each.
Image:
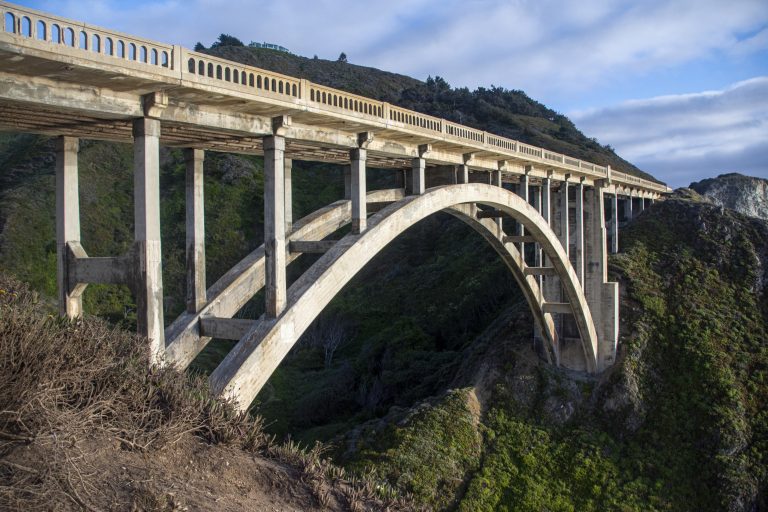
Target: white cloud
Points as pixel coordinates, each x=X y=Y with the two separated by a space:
x=689 y=136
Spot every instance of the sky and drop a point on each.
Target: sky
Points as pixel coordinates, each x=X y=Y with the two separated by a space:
x=677 y=87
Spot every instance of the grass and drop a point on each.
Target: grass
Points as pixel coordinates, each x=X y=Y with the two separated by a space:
x=63 y=383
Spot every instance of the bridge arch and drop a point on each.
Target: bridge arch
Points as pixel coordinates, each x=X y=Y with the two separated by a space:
x=252 y=361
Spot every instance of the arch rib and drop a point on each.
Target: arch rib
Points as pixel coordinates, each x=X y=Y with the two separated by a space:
x=251 y=362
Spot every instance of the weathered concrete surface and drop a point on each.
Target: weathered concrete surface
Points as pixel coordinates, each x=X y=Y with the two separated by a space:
x=603 y=296
x=148 y=287
x=244 y=280
x=357 y=189
x=67 y=224
x=250 y=363
x=195 y=234
x=274 y=224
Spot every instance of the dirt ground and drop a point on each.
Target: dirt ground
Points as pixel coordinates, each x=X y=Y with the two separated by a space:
x=188 y=475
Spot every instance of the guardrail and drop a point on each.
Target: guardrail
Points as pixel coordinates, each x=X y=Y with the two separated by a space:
x=182 y=64
x=43 y=27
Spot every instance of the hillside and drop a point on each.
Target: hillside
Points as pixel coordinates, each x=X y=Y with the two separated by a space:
x=508 y=113
x=745 y=194
x=85 y=426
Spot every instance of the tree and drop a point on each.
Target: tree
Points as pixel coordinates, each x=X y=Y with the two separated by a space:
x=342 y=57
x=227 y=40
x=328 y=333
x=199 y=47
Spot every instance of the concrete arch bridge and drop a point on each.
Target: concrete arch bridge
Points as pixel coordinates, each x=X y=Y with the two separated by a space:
x=550 y=217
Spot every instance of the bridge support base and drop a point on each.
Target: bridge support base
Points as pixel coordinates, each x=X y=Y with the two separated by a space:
x=602 y=296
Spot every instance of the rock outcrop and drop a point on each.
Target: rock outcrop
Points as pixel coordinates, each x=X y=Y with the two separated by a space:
x=745 y=194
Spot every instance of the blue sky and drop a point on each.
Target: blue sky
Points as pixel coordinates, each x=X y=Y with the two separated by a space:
x=678 y=87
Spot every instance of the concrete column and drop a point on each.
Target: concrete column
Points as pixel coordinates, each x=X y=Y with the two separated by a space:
x=146 y=195
x=546 y=199
x=524 y=192
x=462 y=174
x=196 y=290
x=579 y=231
x=565 y=227
x=601 y=295
x=359 y=213
x=537 y=205
x=67 y=222
x=642 y=204
x=274 y=225
x=419 y=165
x=630 y=207
x=288 y=185
x=615 y=223
x=496 y=181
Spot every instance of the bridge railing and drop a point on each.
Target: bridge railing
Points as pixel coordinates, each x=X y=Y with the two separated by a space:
x=328 y=98
x=415 y=120
x=207 y=69
x=86 y=40
x=41 y=30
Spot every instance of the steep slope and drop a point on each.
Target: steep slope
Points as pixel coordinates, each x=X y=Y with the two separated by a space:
x=509 y=113
x=679 y=423
x=745 y=194
x=85 y=426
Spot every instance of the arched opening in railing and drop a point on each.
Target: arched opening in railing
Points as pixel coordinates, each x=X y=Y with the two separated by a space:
x=294 y=92
x=153 y=57
x=69 y=37
x=131 y=51
x=250 y=79
x=236 y=76
x=191 y=66
x=109 y=46
x=26 y=27
x=218 y=72
x=201 y=68
x=258 y=82
x=227 y=75
x=96 y=43
x=121 y=49
x=274 y=85
x=164 y=59
x=83 y=40
x=280 y=87
x=143 y=54
x=10 y=23
x=42 y=31
x=210 y=70
x=244 y=78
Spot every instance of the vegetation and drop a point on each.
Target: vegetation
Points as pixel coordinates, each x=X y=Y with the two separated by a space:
x=66 y=389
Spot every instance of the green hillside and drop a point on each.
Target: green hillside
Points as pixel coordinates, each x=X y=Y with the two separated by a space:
x=503 y=112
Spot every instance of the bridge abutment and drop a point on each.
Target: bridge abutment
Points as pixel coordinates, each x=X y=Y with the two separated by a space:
x=602 y=295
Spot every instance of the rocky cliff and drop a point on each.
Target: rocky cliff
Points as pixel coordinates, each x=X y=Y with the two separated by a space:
x=745 y=194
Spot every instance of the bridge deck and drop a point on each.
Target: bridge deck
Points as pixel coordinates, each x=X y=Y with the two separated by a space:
x=63 y=77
